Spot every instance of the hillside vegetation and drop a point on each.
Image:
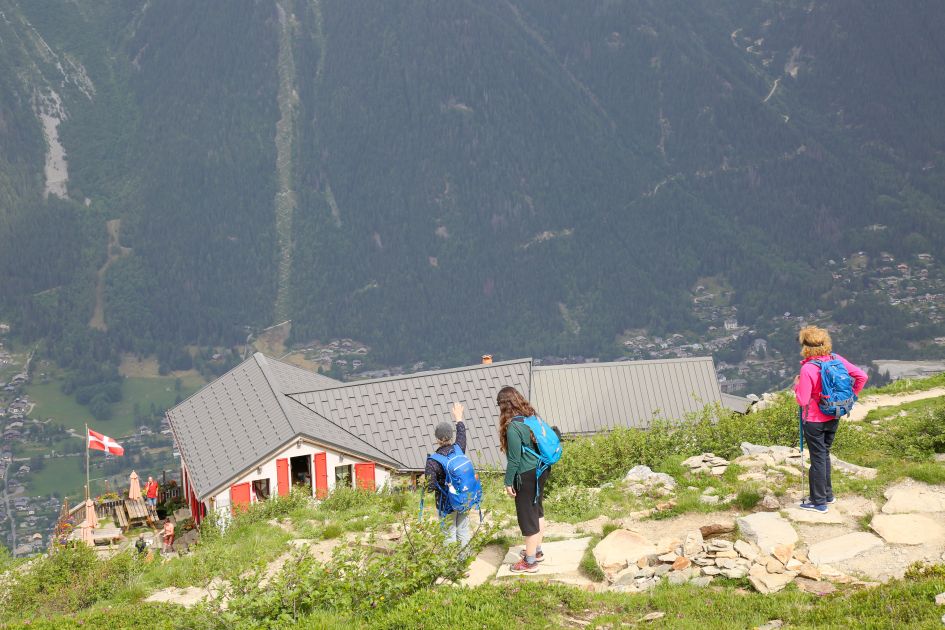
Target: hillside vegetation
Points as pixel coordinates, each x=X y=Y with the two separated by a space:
x=371 y=564
x=569 y=171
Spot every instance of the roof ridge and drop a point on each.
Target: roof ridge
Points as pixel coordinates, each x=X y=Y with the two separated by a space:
x=271 y=381
x=567 y=366
x=298 y=368
x=341 y=428
x=400 y=377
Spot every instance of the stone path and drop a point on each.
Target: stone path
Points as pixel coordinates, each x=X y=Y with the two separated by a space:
x=562 y=560
x=868 y=404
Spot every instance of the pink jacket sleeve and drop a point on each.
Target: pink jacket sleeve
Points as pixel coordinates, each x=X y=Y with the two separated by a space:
x=859 y=376
x=805 y=384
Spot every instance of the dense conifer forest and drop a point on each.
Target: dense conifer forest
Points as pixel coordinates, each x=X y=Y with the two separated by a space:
x=440 y=178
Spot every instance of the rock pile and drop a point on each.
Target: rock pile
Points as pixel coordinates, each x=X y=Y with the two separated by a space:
x=764 y=461
x=707 y=463
x=641 y=480
x=634 y=564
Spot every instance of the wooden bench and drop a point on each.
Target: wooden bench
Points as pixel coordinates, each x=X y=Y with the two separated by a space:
x=121 y=517
x=137 y=511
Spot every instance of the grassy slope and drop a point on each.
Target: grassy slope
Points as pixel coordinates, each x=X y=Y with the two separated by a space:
x=63 y=408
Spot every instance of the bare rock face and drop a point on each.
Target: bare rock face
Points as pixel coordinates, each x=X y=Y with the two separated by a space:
x=715 y=529
x=767 y=529
x=911 y=497
x=908 y=529
x=621 y=548
x=842 y=547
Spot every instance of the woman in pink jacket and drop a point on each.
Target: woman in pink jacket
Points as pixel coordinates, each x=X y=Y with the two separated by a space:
x=819 y=428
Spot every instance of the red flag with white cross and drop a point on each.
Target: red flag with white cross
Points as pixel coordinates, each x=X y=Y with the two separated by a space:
x=99 y=442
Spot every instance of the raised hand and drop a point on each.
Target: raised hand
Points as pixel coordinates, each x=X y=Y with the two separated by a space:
x=457 y=412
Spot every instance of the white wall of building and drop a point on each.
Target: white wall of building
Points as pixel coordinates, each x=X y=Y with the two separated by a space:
x=294 y=449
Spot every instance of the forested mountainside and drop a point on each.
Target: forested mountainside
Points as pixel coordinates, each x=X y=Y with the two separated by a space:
x=439 y=178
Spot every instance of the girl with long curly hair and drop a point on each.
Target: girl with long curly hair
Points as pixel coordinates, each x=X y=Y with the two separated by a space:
x=521 y=482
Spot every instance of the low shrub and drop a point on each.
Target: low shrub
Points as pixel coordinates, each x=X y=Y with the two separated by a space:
x=747 y=498
x=606 y=457
x=66 y=580
x=919 y=435
x=573 y=503
x=359 y=579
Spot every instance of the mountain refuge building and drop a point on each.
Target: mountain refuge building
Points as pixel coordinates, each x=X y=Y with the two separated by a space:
x=266 y=426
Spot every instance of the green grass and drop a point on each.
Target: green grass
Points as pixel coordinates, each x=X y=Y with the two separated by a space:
x=65 y=475
x=52 y=403
x=905 y=385
x=527 y=604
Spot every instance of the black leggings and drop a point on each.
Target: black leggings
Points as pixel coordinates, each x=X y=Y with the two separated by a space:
x=527 y=509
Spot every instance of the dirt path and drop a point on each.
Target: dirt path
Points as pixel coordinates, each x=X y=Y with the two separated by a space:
x=870 y=403
x=115 y=251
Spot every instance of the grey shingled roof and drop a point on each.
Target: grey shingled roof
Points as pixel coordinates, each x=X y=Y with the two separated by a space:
x=243 y=416
x=397 y=415
x=591 y=397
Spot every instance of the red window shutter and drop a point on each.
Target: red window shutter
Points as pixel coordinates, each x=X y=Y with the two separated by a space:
x=321 y=475
x=364 y=476
x=282 y=476
x=239 y=497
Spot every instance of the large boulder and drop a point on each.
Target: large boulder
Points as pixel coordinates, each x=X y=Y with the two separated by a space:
x=767 y=529
x=907 y=529
x=621 y=548
x=645 y=476
x=842 y=547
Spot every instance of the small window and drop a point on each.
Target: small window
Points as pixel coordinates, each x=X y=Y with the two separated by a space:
x=343 y=477
x=261 y=488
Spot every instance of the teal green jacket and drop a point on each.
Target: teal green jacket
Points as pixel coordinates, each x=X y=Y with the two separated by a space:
x=518 y=434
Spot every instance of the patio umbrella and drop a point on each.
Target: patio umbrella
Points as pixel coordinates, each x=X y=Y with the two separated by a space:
x=90 y=519
x=134 y=487
x=85 y=535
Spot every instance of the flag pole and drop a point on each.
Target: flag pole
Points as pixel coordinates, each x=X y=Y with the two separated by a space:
x=86 y=460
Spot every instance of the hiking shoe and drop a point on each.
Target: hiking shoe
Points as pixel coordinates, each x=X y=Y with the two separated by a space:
x=829 y=501
x=813 y=508
x=523 y=567
x=539 y=557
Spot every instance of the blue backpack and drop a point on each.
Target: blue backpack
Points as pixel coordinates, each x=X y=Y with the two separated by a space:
x=463 y=490
x=548 y=441
x=836 y=387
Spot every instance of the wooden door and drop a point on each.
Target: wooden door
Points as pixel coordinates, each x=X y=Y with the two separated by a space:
x=239 y=497
x=282 y=476
x=321 y=475
x=364 y=476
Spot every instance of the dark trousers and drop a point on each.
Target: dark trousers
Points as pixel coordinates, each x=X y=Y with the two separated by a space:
x=819 y=437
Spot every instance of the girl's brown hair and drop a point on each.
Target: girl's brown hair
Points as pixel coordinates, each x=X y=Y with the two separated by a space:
x=511 y=404
x=815 y=342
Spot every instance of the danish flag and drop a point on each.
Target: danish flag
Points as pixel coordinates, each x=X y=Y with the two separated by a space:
x=99 y=442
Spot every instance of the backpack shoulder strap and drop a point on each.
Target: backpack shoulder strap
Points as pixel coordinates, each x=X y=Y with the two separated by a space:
x=457 y=450
x=439 y=459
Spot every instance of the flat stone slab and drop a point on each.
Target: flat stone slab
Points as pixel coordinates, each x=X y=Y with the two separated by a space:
x=767 y=529
x=907 y=529
x=842 y=547
x=561 y=558
x=911 y=497
x=621 y=548
x=485 y=566
x=798 y=515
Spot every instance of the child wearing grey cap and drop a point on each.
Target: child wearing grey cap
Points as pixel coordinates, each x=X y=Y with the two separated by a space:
x=457 y=522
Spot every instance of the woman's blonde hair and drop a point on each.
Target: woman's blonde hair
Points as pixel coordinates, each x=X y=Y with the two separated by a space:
x=815 y=342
